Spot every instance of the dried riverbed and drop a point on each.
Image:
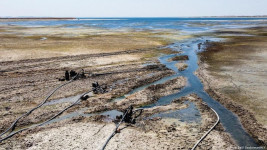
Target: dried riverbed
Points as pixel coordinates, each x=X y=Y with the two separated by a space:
x=173 y=119
x=233 y=73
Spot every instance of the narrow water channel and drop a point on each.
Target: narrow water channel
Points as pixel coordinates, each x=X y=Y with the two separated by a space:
x=229 y=120
x=189 y=47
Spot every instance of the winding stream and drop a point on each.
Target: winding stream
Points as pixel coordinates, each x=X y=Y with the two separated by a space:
x=229 y=120
x=185 y=26
x=189 y=47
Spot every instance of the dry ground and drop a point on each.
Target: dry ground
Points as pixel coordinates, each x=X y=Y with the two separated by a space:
x=30 y=65
x=32 y=60
x=153 y=133
x=17 y=42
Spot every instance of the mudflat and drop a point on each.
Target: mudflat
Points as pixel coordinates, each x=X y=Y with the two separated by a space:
x=33 y=59
x=233 y=71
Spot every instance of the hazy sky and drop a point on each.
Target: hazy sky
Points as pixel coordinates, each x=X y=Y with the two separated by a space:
x=131 y=8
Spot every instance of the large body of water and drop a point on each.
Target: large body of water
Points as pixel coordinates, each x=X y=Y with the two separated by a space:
x=184 y=24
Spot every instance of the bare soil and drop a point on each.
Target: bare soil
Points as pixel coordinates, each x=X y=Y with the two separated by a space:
x=233 y=73
x=181 y=66
x=153 y=133
x=33 y=59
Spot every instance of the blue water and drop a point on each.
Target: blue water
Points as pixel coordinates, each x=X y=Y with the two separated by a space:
x=190 y=114
x=184 y=24
x=229 y=120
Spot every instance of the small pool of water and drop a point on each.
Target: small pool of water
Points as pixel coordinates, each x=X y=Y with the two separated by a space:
x=161 y=81
x=190 y=114
x=111 y=115
x=63 y=100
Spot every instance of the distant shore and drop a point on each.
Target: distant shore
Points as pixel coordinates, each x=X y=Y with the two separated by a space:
x=54 y=18
x=38 y=18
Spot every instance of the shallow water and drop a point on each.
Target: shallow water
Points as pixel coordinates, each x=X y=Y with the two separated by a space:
x=229 y=120
x=71 y=99
x=191 y=25
x=163 y=80
x=111 y=115
x=190 y=114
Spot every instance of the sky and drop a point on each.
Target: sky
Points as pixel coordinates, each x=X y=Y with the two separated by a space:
x=131 y=8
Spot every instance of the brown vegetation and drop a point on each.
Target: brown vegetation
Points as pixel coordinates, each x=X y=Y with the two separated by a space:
x=181 y=57
x=234 y=73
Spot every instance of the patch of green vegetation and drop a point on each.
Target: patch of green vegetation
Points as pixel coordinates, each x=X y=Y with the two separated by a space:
x=164 y=41
x=142 y=105
x=155 y=53
x=152 y=54
x=167 y=51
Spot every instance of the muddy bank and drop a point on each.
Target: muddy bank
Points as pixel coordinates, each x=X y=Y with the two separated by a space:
x=152 y=93
x=179 y=58
x=27 y=85
x=150 y=131
x=247 y=118
x=22 y=42
x=233 y=73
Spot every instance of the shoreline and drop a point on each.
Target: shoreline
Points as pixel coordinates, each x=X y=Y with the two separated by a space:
x=225 y=69
x=161 y=130
x=121 y=70
x=247 y=118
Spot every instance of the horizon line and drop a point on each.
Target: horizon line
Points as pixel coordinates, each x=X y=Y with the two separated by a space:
x=43 y=17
